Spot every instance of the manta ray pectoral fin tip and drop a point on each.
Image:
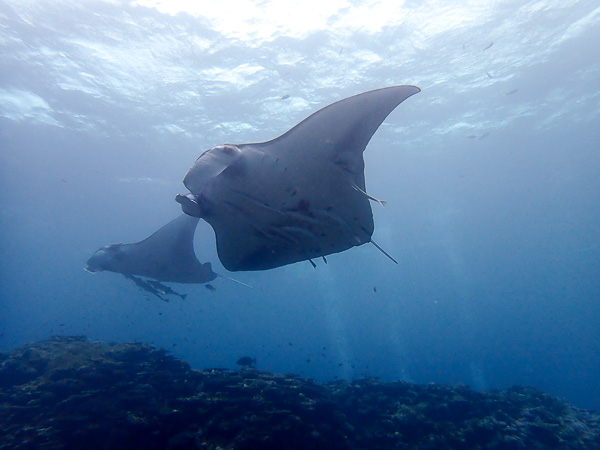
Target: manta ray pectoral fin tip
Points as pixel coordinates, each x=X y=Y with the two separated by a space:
x=417 y=88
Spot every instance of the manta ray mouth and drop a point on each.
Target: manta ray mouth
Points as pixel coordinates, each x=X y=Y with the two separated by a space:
x=189 y=204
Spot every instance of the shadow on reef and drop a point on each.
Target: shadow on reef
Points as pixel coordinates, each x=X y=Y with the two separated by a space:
x=69 y=392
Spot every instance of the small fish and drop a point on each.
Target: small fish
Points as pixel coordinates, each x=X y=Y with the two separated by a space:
x=284 y=97
x=145 y=286
x=488 y=46
x=165 y=290
x=489 y=75
x=471 y=136
x=375 y=289
x=246 y=361
x=210 y=287
x=514 y=91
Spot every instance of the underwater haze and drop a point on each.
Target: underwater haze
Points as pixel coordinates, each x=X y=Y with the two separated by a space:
x=491 y=174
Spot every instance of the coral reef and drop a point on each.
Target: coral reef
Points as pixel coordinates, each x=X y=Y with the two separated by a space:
x=69 y=392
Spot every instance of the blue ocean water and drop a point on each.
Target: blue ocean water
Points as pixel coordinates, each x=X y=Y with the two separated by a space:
x=491 y=173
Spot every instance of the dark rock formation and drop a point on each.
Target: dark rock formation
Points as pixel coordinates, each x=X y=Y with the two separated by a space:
x=68 y=392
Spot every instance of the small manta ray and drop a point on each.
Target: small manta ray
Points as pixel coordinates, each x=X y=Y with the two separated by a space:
x=246 y=361
x=297 y=197
x=167 y=255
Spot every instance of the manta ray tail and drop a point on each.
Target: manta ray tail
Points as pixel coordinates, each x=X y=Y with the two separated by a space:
x=383 y=251
x=235 y=281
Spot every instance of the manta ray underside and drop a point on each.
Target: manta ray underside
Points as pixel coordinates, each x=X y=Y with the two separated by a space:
x=297 y=197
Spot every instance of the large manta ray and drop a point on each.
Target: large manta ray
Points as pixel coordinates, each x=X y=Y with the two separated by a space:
x=297 y=197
